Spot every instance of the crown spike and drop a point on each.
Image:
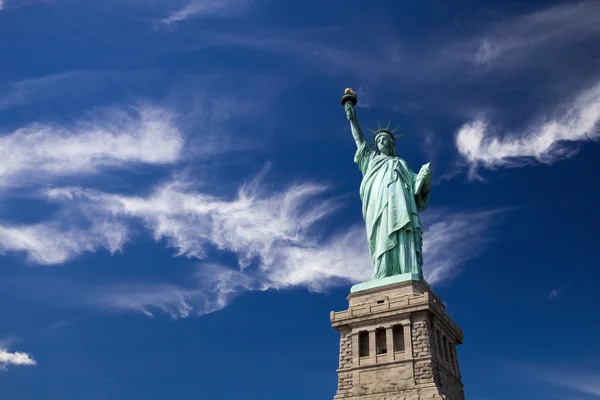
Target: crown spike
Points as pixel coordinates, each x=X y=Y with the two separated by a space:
x=386 y=130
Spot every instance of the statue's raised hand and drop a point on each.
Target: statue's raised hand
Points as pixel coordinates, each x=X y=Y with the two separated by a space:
x=350 y=113
x=349 y=100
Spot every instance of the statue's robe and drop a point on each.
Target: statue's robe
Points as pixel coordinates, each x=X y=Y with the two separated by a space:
x=392 y=196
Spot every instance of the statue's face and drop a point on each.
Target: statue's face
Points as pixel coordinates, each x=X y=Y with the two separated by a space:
x=385 y=144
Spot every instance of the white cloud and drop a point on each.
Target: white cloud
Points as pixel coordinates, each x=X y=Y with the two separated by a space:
x=556 y=292
x=251 y=225
x=208 y=8
x=49 y=243
x=75 y=84
x=24 y=91
x=1 y=4
x=209 y=290
x=452 y=239
x=575 y=379
x=547 y=40
x=275 y=237
x=41 y=152
x=314 y=264
x=319 y=265
x=538 y=34
x=17 y=358
x=546 y=141
x=277 y=232
x=584 y=383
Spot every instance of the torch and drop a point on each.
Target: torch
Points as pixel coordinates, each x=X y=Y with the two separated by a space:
x=349 y=100
x=349 y=97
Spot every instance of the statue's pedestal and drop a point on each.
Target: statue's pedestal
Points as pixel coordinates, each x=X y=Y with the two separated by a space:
x=397 y=343
x=359 y=287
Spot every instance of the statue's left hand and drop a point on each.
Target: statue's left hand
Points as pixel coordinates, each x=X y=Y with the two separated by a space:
x=425 y=174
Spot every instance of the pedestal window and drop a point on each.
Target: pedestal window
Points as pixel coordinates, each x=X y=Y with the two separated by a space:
x=398 y=335
x=363 y=344
x=380 y=341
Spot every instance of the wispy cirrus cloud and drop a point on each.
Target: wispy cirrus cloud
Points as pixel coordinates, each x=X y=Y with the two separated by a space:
x=8 y=4
x=576 y=380
x=51 y=243
x=18 y=358
x=536 y=34
x=274 y=235
x=547 y=141
x=208 y=8
x=556 y=292
x=341 y=259
x=114 y=138
x=75 y=84
x=251 y=225
x=501 y=45
x=316 y=265
x=24 y=91
x=452 y=239
x=211 y=288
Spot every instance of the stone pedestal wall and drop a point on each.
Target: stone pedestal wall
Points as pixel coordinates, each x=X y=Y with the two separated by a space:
x=345 y=380
x=424 y=365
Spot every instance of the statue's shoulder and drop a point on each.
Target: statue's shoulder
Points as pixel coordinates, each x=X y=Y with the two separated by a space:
x=364 y=153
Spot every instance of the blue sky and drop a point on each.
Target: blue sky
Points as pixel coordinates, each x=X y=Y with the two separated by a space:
x=179 y=206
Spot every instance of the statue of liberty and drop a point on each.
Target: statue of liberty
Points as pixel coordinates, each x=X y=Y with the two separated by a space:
x=392 y=195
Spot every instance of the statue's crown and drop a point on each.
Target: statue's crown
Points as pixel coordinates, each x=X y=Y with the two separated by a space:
x=385 y=130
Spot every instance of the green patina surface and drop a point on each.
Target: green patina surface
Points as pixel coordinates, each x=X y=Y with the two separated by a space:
x=392 y=196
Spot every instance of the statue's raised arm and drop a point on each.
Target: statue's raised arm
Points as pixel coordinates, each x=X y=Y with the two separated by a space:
x=349 y=100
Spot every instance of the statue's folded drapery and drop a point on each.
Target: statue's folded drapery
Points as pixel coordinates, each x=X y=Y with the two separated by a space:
x=392 y=195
